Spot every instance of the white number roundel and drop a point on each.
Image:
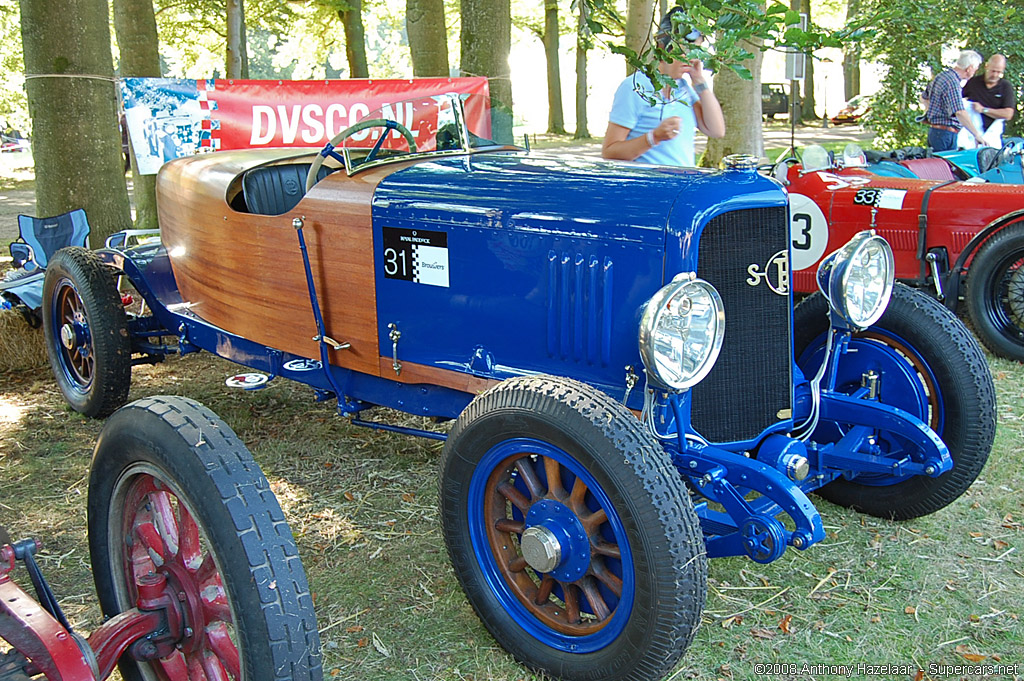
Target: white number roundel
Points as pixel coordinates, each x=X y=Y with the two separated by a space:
x=809 y=231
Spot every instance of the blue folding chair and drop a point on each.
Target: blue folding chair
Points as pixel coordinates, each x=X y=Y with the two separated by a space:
x=40 y=239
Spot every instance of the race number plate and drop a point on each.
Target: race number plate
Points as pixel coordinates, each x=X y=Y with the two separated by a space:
x=416 y=255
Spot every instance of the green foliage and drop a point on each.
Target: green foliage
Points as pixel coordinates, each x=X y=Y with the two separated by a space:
x=995 y=28
x=13 y=103
x=910 y=48
x=738 y=27
x=193 y=34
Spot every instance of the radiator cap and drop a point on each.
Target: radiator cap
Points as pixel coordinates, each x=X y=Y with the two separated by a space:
x=740 y=162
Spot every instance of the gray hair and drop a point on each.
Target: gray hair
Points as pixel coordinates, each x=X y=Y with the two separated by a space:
x=969 y=58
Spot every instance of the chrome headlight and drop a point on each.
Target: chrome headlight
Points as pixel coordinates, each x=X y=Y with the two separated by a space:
x=681 y=332
x=857 y=279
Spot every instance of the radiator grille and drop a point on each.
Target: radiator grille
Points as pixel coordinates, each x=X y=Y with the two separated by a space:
x=752 y=380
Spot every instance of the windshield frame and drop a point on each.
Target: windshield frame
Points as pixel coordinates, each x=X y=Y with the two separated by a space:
x=354 y=157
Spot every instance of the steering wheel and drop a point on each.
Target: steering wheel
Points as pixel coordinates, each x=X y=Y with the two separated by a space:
x=1013 y=145
x=328 y=149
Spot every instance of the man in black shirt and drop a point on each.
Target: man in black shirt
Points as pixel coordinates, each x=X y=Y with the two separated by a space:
x=990 y=94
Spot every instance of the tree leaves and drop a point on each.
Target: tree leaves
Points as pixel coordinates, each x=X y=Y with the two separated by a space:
x=738 y=27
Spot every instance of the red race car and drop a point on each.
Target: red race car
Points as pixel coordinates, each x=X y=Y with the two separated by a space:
x=962 y=241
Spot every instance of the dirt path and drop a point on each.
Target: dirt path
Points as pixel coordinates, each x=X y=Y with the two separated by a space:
x=14 y=202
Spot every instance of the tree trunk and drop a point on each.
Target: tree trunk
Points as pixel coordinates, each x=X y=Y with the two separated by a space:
x=72 y=101
x=428 y=38
x=741 y=105
x=851 y=58
x=582 y=45
x=237 y=58
x=807 y=104
x=556 y=117
x=355 y=40
x=486 y=41
x=639 y=18
x=135 y=26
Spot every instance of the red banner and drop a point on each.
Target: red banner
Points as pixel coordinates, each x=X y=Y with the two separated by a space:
x=168 y=118
x=258 y=113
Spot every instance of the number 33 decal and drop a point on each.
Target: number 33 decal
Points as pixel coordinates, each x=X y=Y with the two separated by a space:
x=809 y=231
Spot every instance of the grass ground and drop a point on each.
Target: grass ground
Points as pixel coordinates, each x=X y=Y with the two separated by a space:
x=945 y=589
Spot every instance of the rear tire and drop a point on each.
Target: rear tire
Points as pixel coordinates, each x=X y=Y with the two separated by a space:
x=173 y=491
x=930 y=366
x=86 y=332
x=552 y=456
x=995 y=292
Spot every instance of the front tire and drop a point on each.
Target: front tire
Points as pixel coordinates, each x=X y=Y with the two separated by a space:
x=173 y=491
x=995 y=293
x=571 y=532
x=931 y=367
x=86 y=332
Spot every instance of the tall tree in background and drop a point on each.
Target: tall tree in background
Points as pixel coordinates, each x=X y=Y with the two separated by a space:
x=583 y=44
x=851 y=57
x=69 y=72
x=237 y=58
x=135 y=27
x=804 y=89
x=741 y=106
x=355 y=40
x=807 y=103
x=428 y=38
x=486 y=40
x=639 y=19
x=556 y=116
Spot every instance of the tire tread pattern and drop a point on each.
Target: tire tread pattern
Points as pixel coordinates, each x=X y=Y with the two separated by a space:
x=1004 y=243
x=259 y=525
x=108 y=328
x=657 y=498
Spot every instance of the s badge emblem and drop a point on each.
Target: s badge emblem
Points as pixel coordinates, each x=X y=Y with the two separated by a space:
x=775 y=273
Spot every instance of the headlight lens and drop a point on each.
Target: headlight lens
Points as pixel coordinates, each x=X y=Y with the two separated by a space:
x=857 y=279
x=681 y=332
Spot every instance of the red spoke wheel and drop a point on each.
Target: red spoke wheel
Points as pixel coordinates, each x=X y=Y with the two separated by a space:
x=571 y=532
x=86 y=332
x=174 y=492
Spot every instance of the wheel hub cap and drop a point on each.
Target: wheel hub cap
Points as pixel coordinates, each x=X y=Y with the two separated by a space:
x=67 y=336
x=541 y=548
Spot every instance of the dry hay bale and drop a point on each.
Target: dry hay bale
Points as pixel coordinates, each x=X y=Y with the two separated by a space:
x=21 y=346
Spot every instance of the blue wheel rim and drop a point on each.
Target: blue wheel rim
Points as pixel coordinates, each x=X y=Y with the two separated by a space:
x=77 y=362
x=510 y=491
x=907 y=382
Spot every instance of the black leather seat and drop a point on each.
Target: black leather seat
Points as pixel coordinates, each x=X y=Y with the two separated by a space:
x=275 y=190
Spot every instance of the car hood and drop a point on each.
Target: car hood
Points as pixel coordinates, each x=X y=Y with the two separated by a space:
x=581 y=197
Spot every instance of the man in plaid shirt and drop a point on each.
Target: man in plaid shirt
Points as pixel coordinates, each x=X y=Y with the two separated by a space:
x=945 y=105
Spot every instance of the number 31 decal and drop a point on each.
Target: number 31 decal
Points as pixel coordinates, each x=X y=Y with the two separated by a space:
x=809 y=231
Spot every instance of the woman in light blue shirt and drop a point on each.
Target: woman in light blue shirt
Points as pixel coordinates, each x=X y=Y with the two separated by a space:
x=662 y=132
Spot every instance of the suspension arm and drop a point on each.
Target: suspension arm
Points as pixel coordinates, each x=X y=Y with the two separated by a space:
x=867 y=417
x=720 y=475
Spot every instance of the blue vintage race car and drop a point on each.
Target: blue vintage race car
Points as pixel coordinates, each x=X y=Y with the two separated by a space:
x=631 y=389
